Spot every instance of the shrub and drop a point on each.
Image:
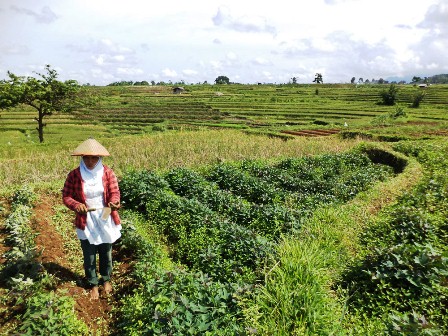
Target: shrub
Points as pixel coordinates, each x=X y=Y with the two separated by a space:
x=183 y=303
x=140 y=187
x=389 y=96
x=418 y=98
x=403 y=278
x=399 y=112
x=51 y=314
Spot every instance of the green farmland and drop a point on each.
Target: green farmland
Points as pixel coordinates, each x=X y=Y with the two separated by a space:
x=262 y=109
x=247 y=210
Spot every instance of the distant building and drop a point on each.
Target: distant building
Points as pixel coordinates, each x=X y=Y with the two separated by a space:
x=178 y=90
x=423 y=85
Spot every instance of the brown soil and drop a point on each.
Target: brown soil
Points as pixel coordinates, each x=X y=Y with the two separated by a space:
x=54 y=260
x=440 y=132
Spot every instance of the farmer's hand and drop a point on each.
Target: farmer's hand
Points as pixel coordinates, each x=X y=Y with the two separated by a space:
x=81 y=208
x=114 y=206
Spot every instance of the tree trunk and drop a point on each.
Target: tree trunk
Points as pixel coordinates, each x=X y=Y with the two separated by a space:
x=40 y=126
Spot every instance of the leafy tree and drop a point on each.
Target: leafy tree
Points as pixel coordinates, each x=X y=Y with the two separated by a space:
x=390 y=96
x=121 y=83
x=222 y=80
x=318 y=79
x=142 y=83
x=45 y=94
x=353 y=80
x=416 y=79
x=417 y=98
x=294 y=80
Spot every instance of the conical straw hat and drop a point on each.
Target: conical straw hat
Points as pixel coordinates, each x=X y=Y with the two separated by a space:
x=90 y=147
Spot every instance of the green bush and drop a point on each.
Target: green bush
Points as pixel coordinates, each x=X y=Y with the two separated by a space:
x=417 y=99
x=389 y=96
x=402 y=280
x=183 y=303
x=51 y=314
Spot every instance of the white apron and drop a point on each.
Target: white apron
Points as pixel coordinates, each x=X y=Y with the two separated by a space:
x=97 y=231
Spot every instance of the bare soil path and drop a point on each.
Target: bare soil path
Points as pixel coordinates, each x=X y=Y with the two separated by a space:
x=95 y=313
x=98 y=315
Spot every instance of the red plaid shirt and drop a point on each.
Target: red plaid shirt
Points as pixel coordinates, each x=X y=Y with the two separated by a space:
x=73 y=194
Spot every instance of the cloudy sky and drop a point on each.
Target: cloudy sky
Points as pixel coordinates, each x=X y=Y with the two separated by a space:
x=103 y=41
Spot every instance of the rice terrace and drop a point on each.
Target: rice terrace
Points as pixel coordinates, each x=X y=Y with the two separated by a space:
x=267 y=209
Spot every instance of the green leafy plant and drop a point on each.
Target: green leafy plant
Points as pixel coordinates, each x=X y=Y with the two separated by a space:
x=389 y=96
x=399 y=112
x=403 y=278
x=183 y=303
x=51 y=314
x=417 y=99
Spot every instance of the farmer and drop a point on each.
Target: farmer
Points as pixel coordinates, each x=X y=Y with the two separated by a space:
x=91 y=190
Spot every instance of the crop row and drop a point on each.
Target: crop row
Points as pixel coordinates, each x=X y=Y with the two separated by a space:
x=403 y=277
x=222 y=224
x=224 y=220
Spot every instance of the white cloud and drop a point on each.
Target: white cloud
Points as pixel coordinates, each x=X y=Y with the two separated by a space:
x=108 y=40
x=17 y=49
x=119 y=58
x=99 y=60
x=261 y=61
x=231 y=56
x=46 y=15
x=169 y=72
x=245 y=23
x=430 y=51
x=189 y=72
x=129 y=71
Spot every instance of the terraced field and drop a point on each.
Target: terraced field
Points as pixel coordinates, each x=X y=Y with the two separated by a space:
x=273 y=109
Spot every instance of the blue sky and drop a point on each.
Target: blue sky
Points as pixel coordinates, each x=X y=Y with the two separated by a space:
x=103 y=41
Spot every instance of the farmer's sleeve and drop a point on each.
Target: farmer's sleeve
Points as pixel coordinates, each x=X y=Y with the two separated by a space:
x=69 y=191
x=114 y=191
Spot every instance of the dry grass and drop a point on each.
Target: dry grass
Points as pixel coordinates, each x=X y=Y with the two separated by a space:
x=46 y=163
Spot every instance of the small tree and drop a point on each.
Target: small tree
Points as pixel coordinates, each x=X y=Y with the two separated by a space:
x=45 y=94
x=222 y=80
x=417 y=99
x=390 y=96
x=416 y=79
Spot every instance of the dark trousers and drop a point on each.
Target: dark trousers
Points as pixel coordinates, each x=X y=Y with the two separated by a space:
x=89 y=252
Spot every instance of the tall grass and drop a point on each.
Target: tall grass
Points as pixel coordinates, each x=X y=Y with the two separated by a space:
x=34 y=163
